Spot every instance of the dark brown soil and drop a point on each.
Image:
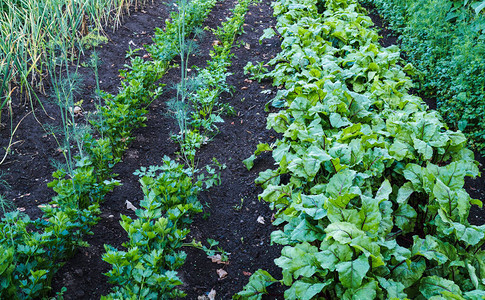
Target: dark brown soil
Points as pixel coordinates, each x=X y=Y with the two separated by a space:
x=237 y=230
x=231 y=209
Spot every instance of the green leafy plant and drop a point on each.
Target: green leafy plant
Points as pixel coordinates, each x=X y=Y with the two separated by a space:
x=184 y=48
x=371 y=204
x=147 y=268
x=65 y=84
x=93 y=63
x=92 y=40
x=210 y=251
x=238 y=207
x=33 y=250
x=256 y=288
x=127 y=109
x=200 y=109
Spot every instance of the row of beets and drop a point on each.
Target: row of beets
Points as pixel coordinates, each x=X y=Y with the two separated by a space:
x=31 y=251
x=368 y=189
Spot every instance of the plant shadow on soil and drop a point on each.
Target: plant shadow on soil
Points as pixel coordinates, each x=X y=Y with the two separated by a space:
x=231 y=209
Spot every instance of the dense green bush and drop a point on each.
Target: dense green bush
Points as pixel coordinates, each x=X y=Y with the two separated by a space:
x=445 y=40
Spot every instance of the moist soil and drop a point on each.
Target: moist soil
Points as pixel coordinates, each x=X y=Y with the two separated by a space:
x=231 y=210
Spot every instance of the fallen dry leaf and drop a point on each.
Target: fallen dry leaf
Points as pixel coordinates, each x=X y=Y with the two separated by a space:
x=260 y=219
x=77 y=110
x=216 y=43
x=247 y=273
x=222 y=274
x=217 y=259
x=244 y=88
x=247 y=46
x=129 y=205
x=212 y=294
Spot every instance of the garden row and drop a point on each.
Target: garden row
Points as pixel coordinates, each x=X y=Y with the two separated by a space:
x=31 y=251
x=33 y=31
x=368 y=188
x=445 y=41
x=147 y=269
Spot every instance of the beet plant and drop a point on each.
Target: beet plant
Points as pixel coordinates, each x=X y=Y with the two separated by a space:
x=368 y=186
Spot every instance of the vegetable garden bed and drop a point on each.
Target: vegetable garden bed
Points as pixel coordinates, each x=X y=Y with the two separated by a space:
x=231 y=214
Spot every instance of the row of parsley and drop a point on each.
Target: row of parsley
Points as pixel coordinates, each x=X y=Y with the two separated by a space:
x=147 y=269
x=369 y=181
x=31 y=251
x=444 y=39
